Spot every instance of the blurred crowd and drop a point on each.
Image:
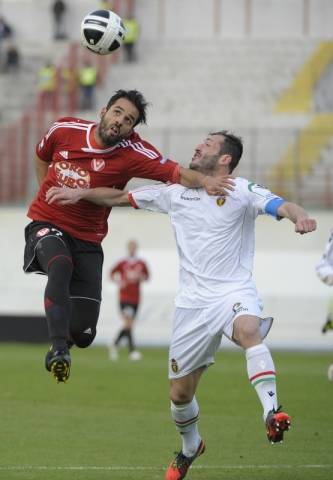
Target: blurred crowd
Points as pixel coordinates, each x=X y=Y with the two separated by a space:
x=9 y=52
x=50 y=77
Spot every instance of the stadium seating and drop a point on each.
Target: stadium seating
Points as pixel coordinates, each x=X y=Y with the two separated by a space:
x=19 y=90
x=242 y=78
x=199 y=86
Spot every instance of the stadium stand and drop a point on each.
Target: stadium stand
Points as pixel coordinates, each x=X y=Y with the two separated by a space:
x=183 y=72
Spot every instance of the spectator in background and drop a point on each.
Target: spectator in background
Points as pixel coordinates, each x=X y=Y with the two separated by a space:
x=5 y=29
x=87 y=80
x=6 y=32
x=68 y=76
x=59 y=8
x=128 y=273
x=47 y=84
x=106 y=4
x=131 y=38
x=12 y=59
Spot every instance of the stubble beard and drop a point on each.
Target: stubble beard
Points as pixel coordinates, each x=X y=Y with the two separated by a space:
x=207 y=167
x=108 y=140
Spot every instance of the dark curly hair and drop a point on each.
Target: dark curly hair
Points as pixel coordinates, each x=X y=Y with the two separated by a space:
x=232 y=145
x=135 y=97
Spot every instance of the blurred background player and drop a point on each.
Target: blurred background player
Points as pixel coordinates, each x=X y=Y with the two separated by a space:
x=325 y=273
x=128 y=273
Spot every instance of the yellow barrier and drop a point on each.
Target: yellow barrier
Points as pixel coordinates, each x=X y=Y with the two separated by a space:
x=298 y=97
x=301 y=156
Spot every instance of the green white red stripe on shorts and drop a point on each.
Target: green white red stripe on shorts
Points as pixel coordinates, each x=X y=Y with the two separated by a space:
x=268 y=376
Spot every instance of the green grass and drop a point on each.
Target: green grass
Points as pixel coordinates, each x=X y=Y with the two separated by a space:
x=111 y=418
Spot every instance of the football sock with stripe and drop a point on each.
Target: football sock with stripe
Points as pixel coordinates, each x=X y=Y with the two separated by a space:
x=261 y=373
x=186 y=419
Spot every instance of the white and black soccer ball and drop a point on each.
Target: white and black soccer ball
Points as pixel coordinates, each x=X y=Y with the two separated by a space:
x=102 y=31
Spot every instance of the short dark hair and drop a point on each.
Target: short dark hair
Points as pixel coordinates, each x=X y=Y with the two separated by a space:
x=135 y=97
x=232 y=145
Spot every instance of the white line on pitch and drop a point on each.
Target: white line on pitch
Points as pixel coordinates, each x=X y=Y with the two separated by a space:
x=195 y=467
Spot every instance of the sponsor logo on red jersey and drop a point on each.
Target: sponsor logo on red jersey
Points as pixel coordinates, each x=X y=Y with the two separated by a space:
x=71 y=175
x=97 y=164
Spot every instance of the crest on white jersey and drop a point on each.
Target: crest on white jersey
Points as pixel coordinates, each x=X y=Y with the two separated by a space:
x=220 y=201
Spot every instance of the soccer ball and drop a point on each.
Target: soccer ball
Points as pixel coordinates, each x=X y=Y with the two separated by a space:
x=102 y=31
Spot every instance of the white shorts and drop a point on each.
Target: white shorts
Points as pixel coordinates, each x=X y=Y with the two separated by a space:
x=197 y=332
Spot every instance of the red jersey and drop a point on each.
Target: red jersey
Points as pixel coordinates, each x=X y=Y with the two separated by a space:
x=75 y=160
x=132 y=271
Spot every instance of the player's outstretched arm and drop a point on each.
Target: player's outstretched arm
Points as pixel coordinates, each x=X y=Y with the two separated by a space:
x=296 y=214
x=103 y=196
x=217 y=185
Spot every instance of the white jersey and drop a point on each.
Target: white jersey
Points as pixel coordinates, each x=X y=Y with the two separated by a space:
x=214 y=236
x=325 y=266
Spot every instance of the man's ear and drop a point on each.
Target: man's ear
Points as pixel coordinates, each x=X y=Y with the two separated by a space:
x=103 y=111
x=225 y=159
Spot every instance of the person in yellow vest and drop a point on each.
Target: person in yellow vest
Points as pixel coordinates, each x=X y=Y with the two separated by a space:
x=132 y=31
x=106 y=4
x=87 y=79
x=47 y=84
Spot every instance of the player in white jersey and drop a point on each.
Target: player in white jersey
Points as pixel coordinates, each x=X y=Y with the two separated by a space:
x=324 y=271
x=217 y=294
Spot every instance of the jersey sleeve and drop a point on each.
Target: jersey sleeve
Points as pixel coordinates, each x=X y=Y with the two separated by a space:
x=263 y=200
x=156 y=198
x=45 y=148
x=145 y=270
x=148 y=162
x=116 y=269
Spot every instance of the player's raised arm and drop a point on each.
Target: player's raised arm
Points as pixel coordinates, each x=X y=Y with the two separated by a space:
x=296 y=214
x=217 y=185
x=103 y=196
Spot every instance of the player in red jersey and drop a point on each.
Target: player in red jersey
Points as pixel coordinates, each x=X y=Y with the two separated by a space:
x=128 y=273
x=63 y=242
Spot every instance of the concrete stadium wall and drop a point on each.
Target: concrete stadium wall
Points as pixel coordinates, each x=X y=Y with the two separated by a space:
x=284 y=271
x=32 y=19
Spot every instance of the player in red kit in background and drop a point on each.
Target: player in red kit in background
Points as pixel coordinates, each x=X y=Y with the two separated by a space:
x=128 y=273
x=64 y=241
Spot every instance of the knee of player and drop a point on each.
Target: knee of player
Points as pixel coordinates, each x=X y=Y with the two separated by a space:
x=85 y=338
x=246 y=328
x=179 y=396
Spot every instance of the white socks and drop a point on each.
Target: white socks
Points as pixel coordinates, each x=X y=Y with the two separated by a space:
x=261 y=372
x=186 y=419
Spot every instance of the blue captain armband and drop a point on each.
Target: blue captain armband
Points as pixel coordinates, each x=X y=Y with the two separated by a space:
x=272 y=207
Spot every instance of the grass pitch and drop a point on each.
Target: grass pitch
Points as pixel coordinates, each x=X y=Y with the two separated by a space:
x=111 y=420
